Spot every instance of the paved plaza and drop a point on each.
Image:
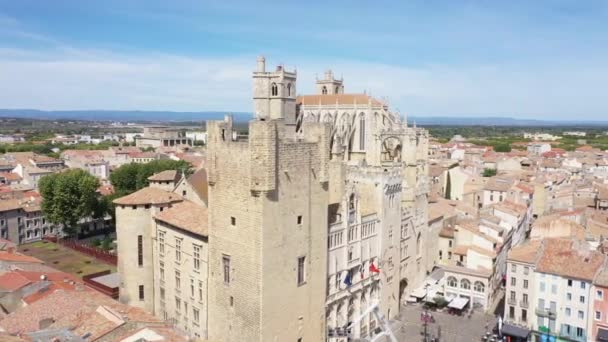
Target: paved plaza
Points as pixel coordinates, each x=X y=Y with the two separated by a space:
x=451 y=328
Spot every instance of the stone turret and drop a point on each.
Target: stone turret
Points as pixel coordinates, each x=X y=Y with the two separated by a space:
x=274 y=93
x=329 y=85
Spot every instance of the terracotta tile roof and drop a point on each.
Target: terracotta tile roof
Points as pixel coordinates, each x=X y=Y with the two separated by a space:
x=6 y=244
x=340 y=99
x=602 y=193
x=526 y=253
x=460 y=249
x=195 y=160
x=472 y=225
x=447 y=232
x=585 y=148
x=10 y=176
x=198 y=181
x=163 y=176
x=436 y=170
x=499 y=183
x=105 y=190
x=439 y=209
x=569 y=258
x=525 y=188
x=17 y=257
x=479 y=250
x=186 y=215
x=83 y=311
x=148 y=195
x=124 y=149
x=144 y=155
x=10 y=204
x=552 y=226
x=11 y=281
x=511 y=208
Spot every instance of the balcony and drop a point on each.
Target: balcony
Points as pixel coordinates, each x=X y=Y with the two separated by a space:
x=524 y=304
x=546 y=313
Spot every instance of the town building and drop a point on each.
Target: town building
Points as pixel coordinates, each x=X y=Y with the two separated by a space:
x=162 y=136
x=31 y=166
x=557 y=279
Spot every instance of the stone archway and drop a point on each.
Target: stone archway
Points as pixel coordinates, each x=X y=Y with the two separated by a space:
x=402 y=290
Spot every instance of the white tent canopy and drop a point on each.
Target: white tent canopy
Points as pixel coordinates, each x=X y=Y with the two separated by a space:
x=458 y=303
x=418 y=293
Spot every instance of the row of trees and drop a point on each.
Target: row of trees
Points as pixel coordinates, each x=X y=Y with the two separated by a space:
x=71 y=196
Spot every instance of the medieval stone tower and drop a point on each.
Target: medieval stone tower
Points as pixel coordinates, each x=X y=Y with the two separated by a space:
x=274 y=93
x=268 y=199
x=329 y=85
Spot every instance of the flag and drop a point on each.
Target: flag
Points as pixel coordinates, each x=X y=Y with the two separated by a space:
x=348 y=281
x=373 y=268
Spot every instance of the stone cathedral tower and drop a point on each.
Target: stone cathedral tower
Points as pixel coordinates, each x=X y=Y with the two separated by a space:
x=268 y=198
x=274 y=93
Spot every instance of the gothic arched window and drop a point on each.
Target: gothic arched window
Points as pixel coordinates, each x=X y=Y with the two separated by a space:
x=324 y=90
x=337 y=90
x=274 y=90
x=479 y=286
x=288 y=89
x=465 y=284
x=452 y=282
x=362 y=133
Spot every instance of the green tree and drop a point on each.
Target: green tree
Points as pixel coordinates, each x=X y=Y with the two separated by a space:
x=124 y=178
x=132 y=177
x=106 y=243
x=96 y=242
x=448 y=186
x=68 y=197
x=489 y=172
x=502 y=147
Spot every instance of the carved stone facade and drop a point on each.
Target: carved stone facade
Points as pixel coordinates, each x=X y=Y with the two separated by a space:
x=317 y=215
x=378 y=204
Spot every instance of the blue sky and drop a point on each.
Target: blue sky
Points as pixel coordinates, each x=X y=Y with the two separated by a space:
x=529 y=59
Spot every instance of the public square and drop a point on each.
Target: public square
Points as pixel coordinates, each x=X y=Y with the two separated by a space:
x=450 y=328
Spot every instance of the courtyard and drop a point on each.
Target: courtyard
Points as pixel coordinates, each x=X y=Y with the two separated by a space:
x=65 y=259
x=450 y=328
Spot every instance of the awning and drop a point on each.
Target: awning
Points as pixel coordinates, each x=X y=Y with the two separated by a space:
x=602 y=335
x=458 y=303
x=515 y=331
x=418 y=293
x=411 y=300
x=431 y=297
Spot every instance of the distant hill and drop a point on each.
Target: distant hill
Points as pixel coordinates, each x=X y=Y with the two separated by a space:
x=498 y=121
x=120 y=115
x=168 y=116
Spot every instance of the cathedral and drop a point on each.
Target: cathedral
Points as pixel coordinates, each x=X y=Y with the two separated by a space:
x=289 y=234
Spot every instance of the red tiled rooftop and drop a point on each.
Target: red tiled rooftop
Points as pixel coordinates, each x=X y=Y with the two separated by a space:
x=17 y=257
x=11 y=281
x=340 y=99
x=148 y=195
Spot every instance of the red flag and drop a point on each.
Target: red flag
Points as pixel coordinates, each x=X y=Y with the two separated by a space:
x=373 y=268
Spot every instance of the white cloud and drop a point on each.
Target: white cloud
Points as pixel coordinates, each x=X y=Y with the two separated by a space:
x=90 y=79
